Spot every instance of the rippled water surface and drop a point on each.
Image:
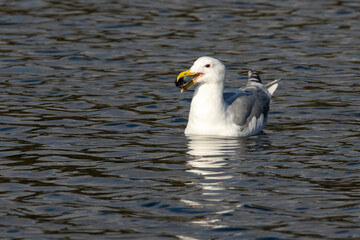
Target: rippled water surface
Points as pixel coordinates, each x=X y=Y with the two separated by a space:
x=91 y=124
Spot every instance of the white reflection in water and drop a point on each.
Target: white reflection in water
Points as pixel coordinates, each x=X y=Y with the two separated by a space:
x=211 y=156
x=210 y=160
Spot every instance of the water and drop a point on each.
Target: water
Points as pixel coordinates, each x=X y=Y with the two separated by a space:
x=91 y=133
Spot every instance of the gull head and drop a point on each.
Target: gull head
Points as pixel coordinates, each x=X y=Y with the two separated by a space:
x=205 y=70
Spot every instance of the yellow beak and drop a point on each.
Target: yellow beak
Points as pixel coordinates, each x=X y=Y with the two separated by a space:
x=186 y=79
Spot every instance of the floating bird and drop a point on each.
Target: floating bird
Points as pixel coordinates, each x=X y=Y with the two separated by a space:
x=239 y=114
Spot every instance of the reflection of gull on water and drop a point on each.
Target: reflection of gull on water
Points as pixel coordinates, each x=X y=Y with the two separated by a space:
x=213 y=160
x=210 y=162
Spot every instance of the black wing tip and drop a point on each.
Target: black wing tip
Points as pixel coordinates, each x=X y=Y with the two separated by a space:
x=254 y=76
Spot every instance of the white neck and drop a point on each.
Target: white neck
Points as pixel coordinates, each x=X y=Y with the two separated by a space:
x=208 y=109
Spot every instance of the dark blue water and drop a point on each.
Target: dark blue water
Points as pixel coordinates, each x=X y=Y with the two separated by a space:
x=91 y=124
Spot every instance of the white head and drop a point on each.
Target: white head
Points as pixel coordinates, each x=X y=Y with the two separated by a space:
x=205 y=70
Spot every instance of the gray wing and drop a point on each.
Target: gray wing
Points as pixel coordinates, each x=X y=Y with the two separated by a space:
x=247 y=103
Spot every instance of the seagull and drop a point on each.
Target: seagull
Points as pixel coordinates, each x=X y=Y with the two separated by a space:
x=236 y=114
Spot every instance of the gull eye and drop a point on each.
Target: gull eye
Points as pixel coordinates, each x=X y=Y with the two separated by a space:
x=207 y=65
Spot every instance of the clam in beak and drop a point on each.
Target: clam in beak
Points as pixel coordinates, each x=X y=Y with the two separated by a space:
x=186 y=79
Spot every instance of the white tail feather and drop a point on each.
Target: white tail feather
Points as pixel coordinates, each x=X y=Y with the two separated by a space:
x=272 y=86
